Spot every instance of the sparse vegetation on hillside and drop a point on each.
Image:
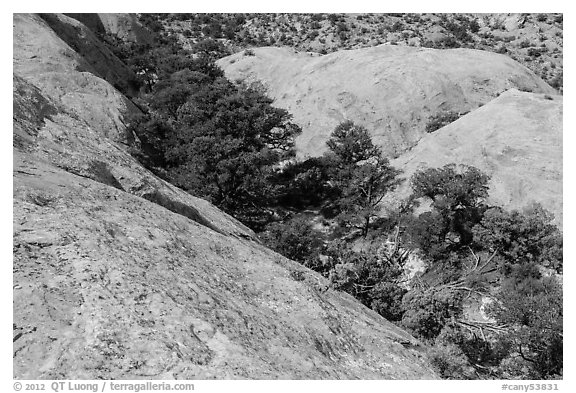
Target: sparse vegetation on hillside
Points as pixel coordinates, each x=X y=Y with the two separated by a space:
x=225 y=142
x=472 y=250
x=463 y=262
x=213 y=138
x=442 y=119
x=324 y=33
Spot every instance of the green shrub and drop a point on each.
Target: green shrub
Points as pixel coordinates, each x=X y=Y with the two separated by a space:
x=536 y=52
x=558 y=81
x=369 y=280
x=295 y=239
x=451 y=362
x=525 y=44
x=559 y=18
x=426 y=312
x=441 y=119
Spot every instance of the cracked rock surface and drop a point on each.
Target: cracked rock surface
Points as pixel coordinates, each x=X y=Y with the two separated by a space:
x=119 y=275
x=109 y=285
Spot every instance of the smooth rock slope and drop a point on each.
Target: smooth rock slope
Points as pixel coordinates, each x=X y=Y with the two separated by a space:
x=124 y=26
x=64 y=75
x=391 y=90
x=516 y=139
x=119 y=275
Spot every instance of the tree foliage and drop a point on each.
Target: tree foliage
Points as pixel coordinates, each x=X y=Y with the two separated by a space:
x=295 y=239
x=477 y=250
x=215 y=139
x=227 y=143
x=304 y=184
x=441 y=119
x=521 y=237
x=457 y=198
x=427 y=311
x=531 y=306
x=361 y=175
x=370 y=280
x=352 y=144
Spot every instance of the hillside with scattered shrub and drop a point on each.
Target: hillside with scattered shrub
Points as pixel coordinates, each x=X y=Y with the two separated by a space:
x=173 y=229
x=393 y=91
x=534 y=40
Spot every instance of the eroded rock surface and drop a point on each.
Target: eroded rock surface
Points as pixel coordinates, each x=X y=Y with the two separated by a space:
x=108 y=285
x=391 y=90
x=124 y=26
x=516 y=139
x=43 y=59
x=119 y=275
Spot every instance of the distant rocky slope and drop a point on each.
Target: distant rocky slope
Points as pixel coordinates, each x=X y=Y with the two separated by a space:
x=391 y=90
x=64 y=75
x=101 y=60
x=124 y=26
x=117 y=274
x=534 y=40
x=516 y=139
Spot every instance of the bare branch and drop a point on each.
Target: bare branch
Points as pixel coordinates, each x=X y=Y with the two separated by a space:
x=489 y=260
x=477 y=259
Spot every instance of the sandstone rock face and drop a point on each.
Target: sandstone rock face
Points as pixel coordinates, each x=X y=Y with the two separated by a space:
x=516 y=139
x=108 y=285
x=391 y=90
x=125 y=26
x=83 y=41
x=119 y=275
x=56 y=134
x=50 y=64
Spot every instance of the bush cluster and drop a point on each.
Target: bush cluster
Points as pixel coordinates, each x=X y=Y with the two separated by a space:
x=226 y=142
x=441 y=119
